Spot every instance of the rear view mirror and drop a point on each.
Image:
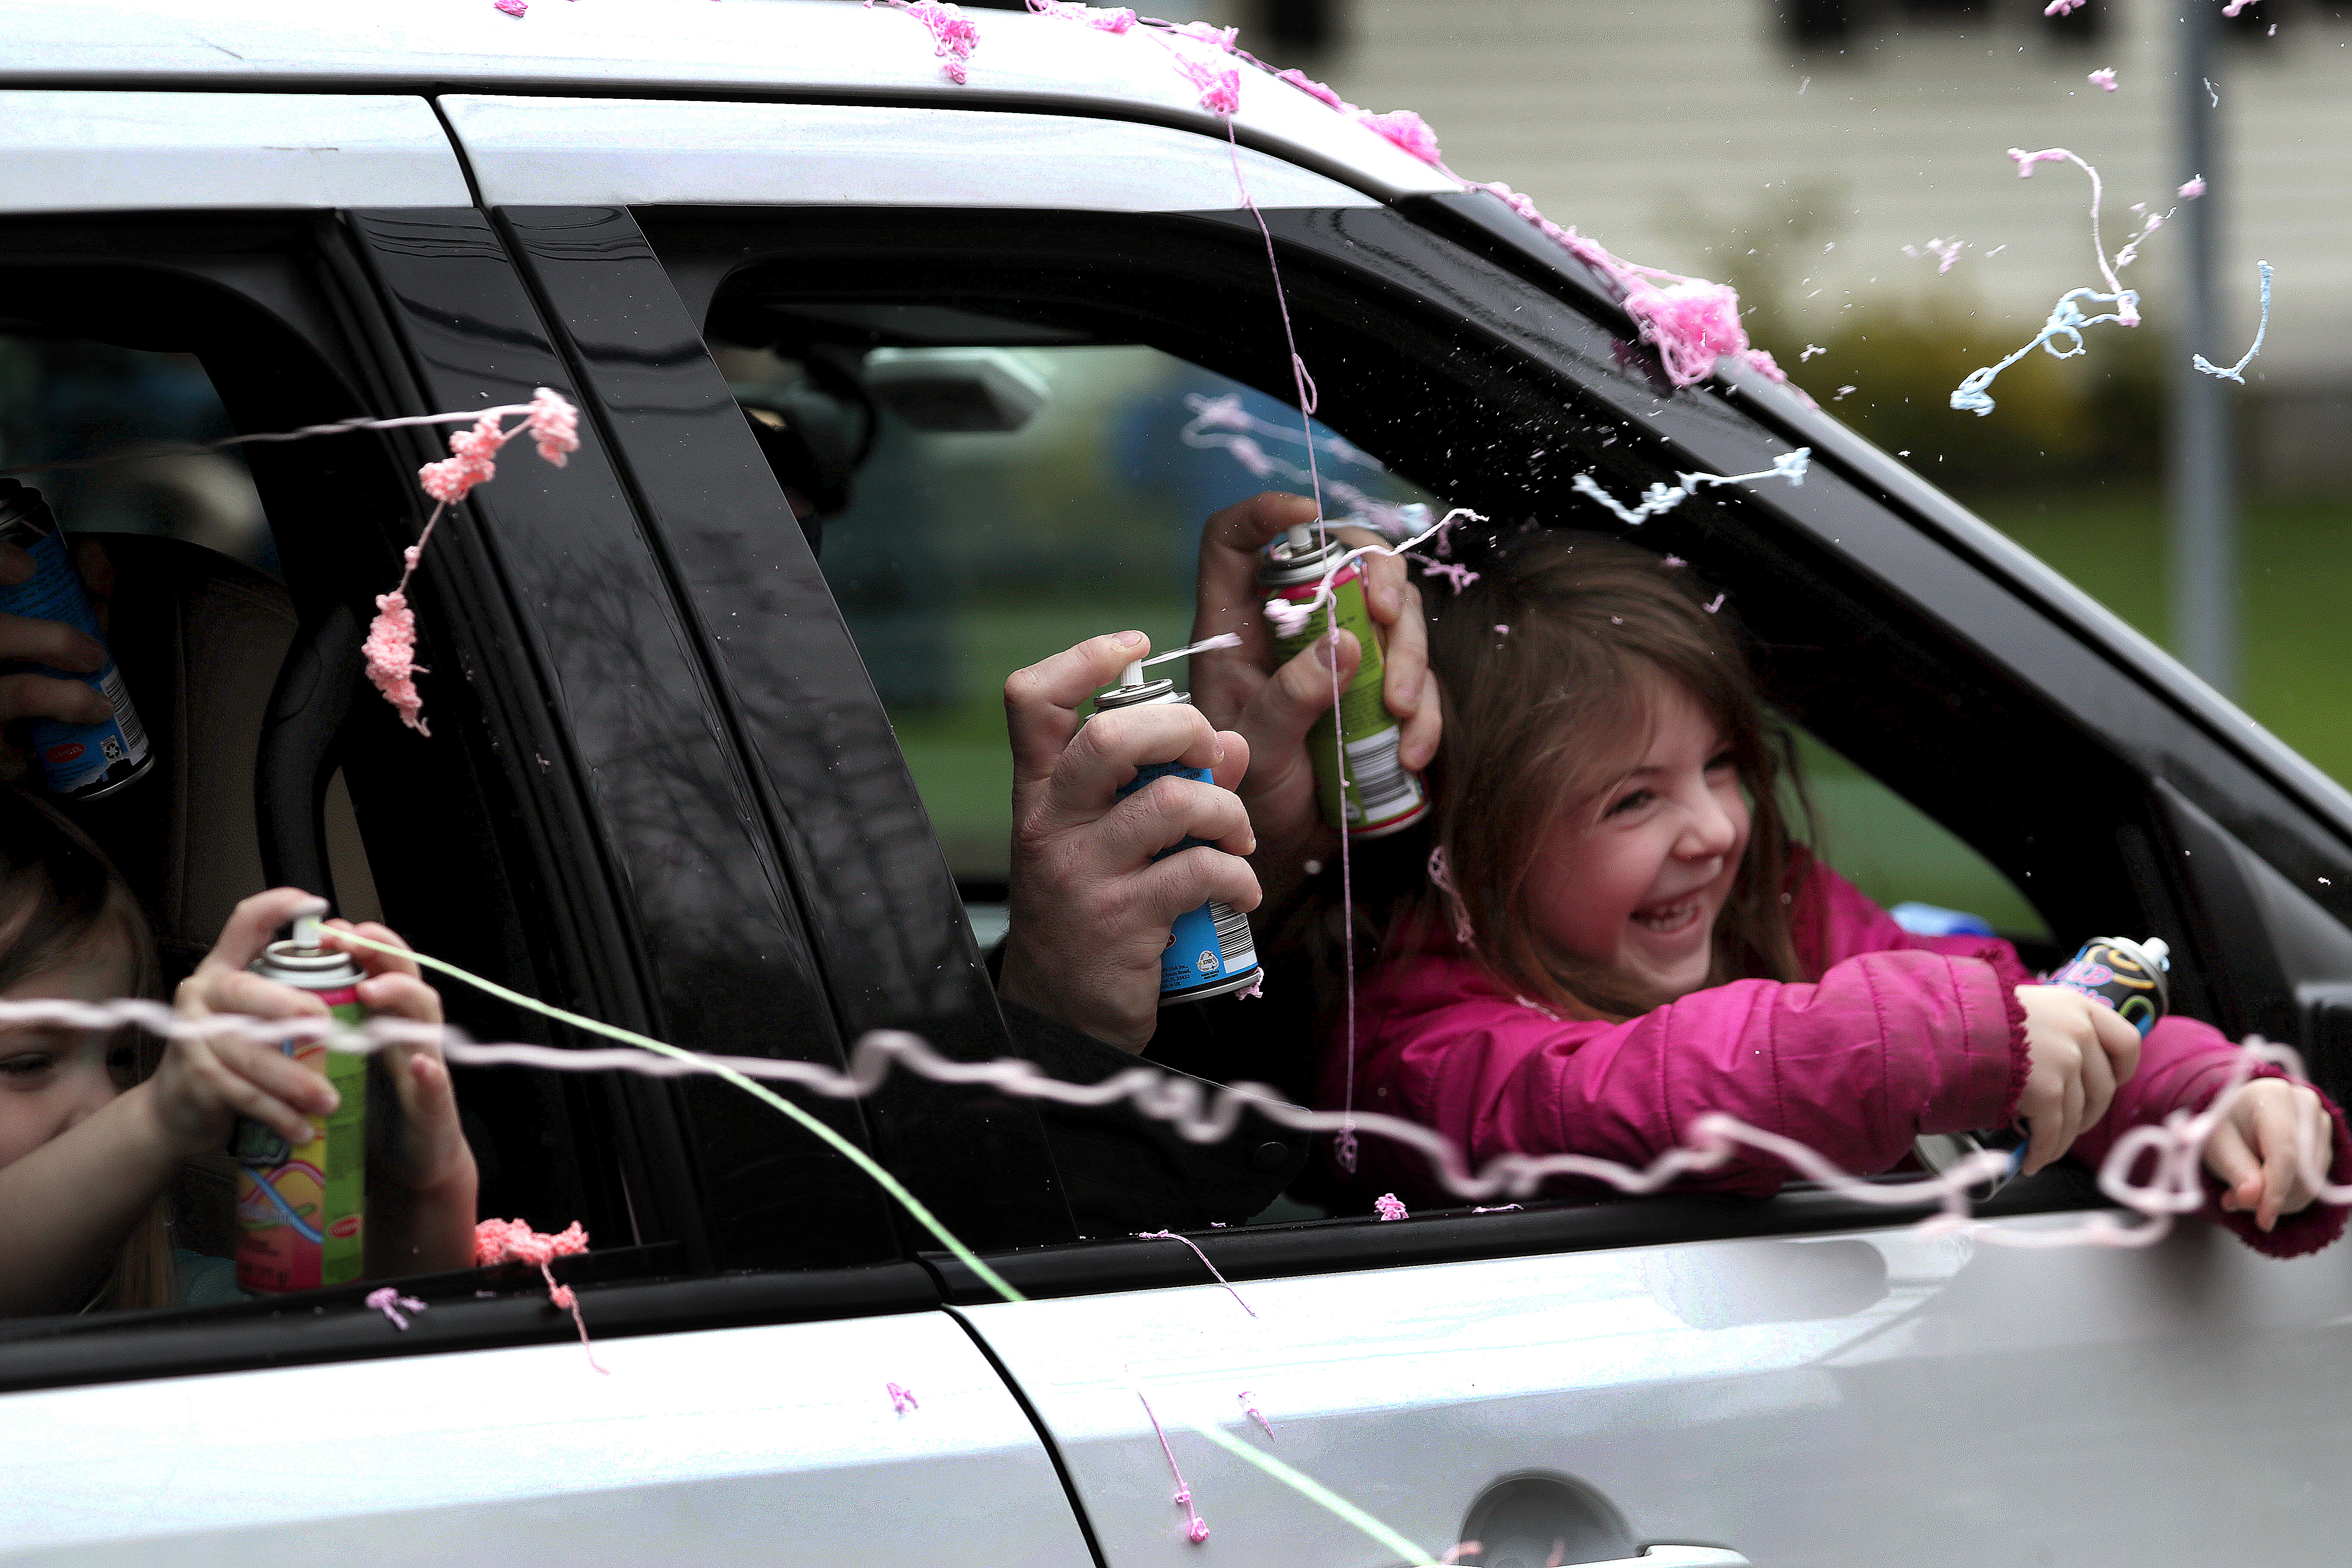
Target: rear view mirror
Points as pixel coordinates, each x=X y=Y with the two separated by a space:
x=955 y=390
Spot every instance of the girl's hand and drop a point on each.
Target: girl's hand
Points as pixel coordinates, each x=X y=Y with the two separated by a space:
x=432 y=1151
x=2258 y=1148
x=2080 y=1051
x=203 y=1085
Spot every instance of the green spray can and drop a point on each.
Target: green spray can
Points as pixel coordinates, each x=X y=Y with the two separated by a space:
x=1373 y=794
x=302 y=1212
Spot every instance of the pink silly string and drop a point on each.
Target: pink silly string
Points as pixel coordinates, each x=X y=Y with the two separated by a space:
x=1250 y=1409
x=1453 y=572
x=1388 y=1205
x=1171 y=1235
x=1502 y=1208
x=1196 y=1114
x=2104 y=80
x=1715 y=604
x=1441 y=876
x=391 y=646
x=1461 y=1549
x=1107 y=19
x=1948 y=254
x=500 y=1241
x=953 y=38
x=390 y=1303
x=1197 y=1530
x=2193 y=188
x=901 y=1399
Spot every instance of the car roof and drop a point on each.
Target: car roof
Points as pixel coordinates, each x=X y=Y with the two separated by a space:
x=800 y=49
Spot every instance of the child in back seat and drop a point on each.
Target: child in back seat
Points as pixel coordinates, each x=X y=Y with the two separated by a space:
x=88 y=1155
x=1632 y=938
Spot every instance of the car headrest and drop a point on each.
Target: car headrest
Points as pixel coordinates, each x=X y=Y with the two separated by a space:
x=200 y=638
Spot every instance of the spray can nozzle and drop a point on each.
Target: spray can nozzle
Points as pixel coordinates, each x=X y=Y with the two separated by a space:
x=307 y=924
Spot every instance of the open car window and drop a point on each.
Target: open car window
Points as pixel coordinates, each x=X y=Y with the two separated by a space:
x=956 y=555
x=223 y=571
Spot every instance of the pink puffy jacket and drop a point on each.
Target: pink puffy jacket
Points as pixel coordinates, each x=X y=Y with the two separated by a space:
x=1901 y=1035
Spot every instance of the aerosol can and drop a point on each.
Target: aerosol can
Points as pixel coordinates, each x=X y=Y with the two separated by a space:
x=80 y=762
x=2132 y=977
x=1210 y=950
x=301 y=1210
x=1373 y=794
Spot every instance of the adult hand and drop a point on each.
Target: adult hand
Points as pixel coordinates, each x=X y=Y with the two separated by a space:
x=1273 y=708
x=2258 y=1148
x=2080 y=1050
x=27 y=694
x=1091 y=907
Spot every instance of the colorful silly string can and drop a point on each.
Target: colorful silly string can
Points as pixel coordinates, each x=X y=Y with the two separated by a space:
x=1374 y=795
x=1210 y=950
x=81 y=761
x=300 y=1211
x=2132 y=977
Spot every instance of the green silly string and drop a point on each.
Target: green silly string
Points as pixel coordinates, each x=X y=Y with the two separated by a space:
x=1304 y=1485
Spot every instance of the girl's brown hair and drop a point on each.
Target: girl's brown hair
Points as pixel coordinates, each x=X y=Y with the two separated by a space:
x=1550 y=665
x=60 y=900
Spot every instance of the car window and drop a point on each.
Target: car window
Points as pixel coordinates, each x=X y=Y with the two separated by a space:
x=1017 y=499
x=219 y=570
x=1906 y=860
x=952 y=555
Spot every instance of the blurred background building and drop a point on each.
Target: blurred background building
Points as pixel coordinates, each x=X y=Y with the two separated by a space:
x=1808 y=151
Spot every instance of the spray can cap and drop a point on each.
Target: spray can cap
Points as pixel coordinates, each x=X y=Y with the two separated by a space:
x=2159 y=951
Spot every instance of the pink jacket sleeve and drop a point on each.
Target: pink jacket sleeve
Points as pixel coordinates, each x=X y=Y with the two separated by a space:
x=2182 y=1065
x=1884 y=1047
x=1833 y=922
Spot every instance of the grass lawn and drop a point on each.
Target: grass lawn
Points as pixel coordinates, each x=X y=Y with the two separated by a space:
x=2296 y=597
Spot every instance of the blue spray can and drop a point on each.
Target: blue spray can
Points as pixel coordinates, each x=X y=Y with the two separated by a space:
x=1210 y=950
x=81 y=761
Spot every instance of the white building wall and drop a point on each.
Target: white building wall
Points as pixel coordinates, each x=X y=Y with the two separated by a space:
x=1612 y=115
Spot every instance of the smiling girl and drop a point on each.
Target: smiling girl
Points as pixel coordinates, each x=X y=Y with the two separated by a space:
x=1633 y=936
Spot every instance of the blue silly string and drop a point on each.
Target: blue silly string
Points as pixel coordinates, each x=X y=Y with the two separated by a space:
x=2066 y=320
x=2067 y=317
x=2237 y=372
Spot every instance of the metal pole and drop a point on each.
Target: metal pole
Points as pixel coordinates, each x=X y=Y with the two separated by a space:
x=2201 y=481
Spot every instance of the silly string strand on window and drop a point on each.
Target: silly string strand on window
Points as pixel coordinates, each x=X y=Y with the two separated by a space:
x=1202 y=1114
x=2174 y=1147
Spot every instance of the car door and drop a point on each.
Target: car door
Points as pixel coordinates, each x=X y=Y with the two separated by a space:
x=1793 y=1381
x=754 y=1372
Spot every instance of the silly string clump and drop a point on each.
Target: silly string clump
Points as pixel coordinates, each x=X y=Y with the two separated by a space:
x=391 y=646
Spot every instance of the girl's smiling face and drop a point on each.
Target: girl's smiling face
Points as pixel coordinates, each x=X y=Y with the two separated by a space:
x=52 y=1079
x=1633 y=877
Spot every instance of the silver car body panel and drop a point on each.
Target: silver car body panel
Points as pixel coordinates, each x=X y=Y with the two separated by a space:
x=777 y=1444
x=117 y=151
x=1876 y=1397
x=577 y=151
x=745 y=49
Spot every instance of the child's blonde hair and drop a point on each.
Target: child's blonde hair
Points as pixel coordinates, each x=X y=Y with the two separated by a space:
x=62 y=899
x=1550 y=665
